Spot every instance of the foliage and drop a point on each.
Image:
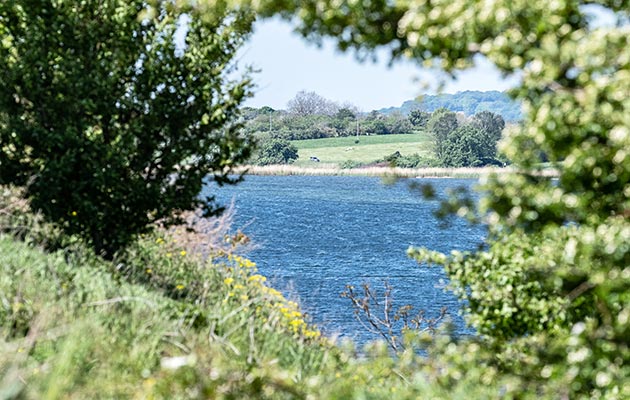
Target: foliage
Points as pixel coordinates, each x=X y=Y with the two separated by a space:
x=107 y=121
x=345 y=121
x=470 y=102
x=551 y=288
x=276 y=151
x=460 y=142
x=158 y=322
x=490 y=123
x=419 y=118
x=468 y=146
x=411 y=161
x=349 y=164
x=440 y=125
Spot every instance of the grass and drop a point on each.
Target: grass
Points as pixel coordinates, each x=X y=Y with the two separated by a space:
x=332 y=169
x=169 y=319
x=172 y=318
x=369 y=149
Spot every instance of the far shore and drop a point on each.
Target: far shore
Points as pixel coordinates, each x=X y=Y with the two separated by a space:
x=285 y=170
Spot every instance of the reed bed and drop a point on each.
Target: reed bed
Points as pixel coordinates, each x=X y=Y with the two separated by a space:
x=384 y=171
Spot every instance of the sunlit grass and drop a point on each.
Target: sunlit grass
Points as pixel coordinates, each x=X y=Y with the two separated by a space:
x=368 y=149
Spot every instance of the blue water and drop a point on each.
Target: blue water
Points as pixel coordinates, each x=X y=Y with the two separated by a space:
x=318 y=234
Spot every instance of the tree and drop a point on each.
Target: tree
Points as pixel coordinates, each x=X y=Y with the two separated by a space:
x=110 y=124
x=440 y=125
x=550 y=292
x=419 y=118
x=397 y=124
x=310 y=103
x=489 y=122
x=343 y=121
x=374 y=124
x=468 y=146
x=277 y=151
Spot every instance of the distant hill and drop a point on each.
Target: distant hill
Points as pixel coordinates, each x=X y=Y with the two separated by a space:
x=468 y=102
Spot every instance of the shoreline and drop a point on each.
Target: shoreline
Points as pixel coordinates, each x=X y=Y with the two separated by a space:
x=461 y=173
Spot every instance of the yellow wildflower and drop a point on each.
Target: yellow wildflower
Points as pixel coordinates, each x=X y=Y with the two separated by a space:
x=149 y=271
x=179 y=287
x=238 y=287
x=228 y=281
x=182 y=253
x=159 y=240
x=257 y=278
x=169 y=255
x=73 y=213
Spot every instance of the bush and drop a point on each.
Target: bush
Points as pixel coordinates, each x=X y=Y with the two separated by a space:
x=349 y=164
x=277 y=151
x=109 y=124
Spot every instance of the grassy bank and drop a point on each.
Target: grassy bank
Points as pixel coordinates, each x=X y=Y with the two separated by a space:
x=165 y=320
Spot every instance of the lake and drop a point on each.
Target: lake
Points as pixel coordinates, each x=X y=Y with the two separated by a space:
x=316 y=234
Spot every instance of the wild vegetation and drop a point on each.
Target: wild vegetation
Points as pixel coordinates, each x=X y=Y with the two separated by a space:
x=107 y=123
x=469 y=102
x=342 y=136
x=549 y=294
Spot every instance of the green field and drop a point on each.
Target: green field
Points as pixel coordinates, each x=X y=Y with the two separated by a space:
x=369 y=148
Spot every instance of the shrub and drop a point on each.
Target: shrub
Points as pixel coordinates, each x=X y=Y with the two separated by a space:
x=277 y=151
x=107 y=121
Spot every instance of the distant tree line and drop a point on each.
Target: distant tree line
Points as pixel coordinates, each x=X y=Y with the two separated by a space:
x=459 y=141
x=311 y=116
x=469 y=102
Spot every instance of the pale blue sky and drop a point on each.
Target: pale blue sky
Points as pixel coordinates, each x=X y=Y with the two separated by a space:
x=289 y=64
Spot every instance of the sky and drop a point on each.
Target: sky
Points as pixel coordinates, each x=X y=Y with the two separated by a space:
x=289 y=64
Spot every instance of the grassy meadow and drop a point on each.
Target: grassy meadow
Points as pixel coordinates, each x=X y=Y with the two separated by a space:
x=335 y=151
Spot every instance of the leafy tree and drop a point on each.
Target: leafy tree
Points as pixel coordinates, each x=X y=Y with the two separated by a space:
x=419 y=118
x=266 y=110
x=550 y=292
x=277 y=151
x=440 y=125
x=107 y=121
x=489 y=122
x=397 y=124
x=468 y=146
x=343 y=122
x=374 y=124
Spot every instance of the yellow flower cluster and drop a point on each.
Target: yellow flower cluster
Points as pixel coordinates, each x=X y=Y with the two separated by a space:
x=245 y=283
x=241 y=261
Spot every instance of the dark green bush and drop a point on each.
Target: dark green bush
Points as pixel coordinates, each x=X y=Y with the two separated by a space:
x=107 y=121
x=277 y=151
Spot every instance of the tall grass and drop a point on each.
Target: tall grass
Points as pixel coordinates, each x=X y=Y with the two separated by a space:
x=383 y=171
x=182 y=316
